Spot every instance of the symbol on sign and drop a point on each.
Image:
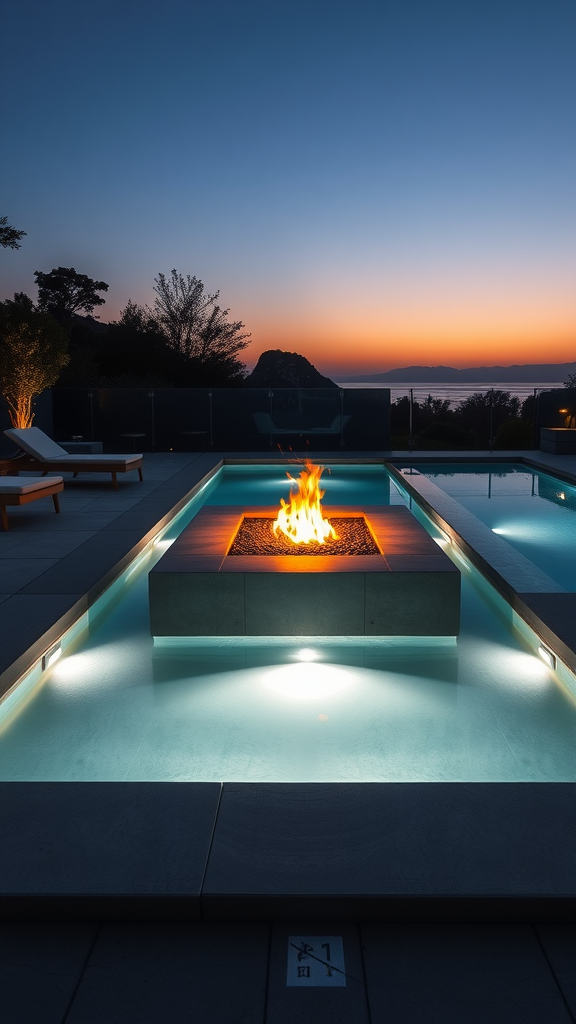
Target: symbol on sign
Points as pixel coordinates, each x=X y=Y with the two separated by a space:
x=325 y=961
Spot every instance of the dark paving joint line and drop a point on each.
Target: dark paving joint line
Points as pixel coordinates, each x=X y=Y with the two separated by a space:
x=554 y=974
x=82 y=972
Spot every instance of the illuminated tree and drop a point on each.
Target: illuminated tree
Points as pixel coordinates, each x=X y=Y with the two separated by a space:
x=33 y=351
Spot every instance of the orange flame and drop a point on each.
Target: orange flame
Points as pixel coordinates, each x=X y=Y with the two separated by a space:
x=302 y=520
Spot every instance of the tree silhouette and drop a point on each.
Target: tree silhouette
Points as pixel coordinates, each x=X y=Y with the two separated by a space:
x=9 y=236
x=63 y=292
x=193 y=322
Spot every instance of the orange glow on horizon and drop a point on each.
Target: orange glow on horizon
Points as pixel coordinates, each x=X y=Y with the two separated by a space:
x=356 y=353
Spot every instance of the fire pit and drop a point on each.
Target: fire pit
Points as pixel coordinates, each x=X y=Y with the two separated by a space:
x=299 y=571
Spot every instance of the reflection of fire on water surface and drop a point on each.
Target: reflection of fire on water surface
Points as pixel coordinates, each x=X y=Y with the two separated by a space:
x=302 y=520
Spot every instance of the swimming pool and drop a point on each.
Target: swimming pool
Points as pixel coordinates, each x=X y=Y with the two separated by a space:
x=533 y=511
x=484 y=708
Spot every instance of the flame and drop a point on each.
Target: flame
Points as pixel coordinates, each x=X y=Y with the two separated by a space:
x=302 y=520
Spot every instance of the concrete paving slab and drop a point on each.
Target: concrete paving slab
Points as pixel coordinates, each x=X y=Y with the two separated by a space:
x=559 y=944
x=10 y=539
x=88 y=851
x=177 y=973
x=17 y=573
x=84 y=567
x=447 y=974
x=89 y=521
x=340 y=1003
x=49 y=544
x=41 y=966
x=371 y=850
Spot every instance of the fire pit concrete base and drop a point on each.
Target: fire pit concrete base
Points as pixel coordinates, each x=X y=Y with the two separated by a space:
x=409 y=588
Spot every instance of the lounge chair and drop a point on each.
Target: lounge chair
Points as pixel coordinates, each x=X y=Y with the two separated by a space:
x=266 y=425
x=16 y=491
x=40 y=452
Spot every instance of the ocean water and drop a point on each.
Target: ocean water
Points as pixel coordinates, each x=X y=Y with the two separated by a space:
x=456 y=393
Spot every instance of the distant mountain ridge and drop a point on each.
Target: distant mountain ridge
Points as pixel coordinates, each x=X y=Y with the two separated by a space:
x=538 y=373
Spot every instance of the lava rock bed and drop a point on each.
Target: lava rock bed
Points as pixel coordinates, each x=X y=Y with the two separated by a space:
x=256 y=537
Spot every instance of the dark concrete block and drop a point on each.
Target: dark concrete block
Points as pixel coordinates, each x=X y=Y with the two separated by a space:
x=199 y=604
x=88 y=842
x=310 y=1005
x=288 y=605
x=41 y=965
x=378 y=849
x=456 y=973
x=413 y=603
x=178 y=973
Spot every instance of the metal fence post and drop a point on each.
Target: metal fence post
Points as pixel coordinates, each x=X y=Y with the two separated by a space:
x=491 y=439
x=151 y=397
x=90 y=399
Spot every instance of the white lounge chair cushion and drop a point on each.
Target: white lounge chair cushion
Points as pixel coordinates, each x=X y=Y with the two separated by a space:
x=36 y=443
x=90 y=460
x=24 y=485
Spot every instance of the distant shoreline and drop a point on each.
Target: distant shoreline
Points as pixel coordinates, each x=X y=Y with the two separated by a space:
x=452 y=391
x=536 y=374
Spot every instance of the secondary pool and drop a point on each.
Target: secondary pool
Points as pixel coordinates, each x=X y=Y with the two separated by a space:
x=484 y=708
x=533 y=511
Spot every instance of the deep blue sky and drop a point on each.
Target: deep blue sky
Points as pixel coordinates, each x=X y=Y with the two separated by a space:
x=370 y=184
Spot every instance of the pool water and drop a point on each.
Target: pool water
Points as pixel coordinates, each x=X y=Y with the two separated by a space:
x=533 y=511
x=484 y=708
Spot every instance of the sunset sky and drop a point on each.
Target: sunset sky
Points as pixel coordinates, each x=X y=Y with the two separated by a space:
x=371 y=184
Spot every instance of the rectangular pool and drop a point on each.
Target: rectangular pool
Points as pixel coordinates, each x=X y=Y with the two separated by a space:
x=533 y=511
x=115 y=708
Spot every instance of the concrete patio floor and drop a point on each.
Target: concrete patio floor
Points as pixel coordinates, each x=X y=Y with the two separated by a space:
x=146 y=973
x=73 y=972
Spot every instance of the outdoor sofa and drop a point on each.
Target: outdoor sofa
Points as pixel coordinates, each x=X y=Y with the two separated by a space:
x=265 y=425
x=40 y=452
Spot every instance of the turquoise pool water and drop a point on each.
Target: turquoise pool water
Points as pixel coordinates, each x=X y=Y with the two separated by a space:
x=532 y=511
x=484 y=708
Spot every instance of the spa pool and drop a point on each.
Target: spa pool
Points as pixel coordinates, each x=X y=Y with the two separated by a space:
x=533 y=511
x=115 y=708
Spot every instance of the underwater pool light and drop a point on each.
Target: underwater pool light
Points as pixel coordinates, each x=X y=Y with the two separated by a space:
x=307 y=654
x=51 y=656
x=547 y=656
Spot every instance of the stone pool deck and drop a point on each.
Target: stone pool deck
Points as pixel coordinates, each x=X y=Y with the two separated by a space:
x=314 y=859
